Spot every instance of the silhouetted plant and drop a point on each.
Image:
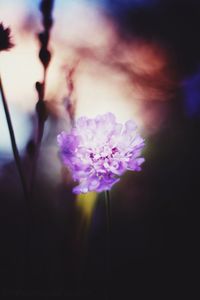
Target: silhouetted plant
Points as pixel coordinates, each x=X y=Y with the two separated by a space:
x=6 y=44
x=46 y=7
x=5 y=40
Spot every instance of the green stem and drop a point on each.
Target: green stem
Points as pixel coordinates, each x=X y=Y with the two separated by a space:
x=13 y=141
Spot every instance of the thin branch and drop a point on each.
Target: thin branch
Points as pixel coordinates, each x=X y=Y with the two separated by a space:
x=13 y=142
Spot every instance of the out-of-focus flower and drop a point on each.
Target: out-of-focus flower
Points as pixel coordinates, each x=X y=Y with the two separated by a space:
x=5 y=43
x=97 y=151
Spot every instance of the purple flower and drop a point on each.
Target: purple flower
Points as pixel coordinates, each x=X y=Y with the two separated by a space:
x=98 y=151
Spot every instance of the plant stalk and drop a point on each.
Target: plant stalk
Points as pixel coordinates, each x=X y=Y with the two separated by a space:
x=13 y=142
x=108 y=241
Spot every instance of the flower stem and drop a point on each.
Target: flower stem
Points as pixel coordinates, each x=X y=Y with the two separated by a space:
x=38 y=139
x=108 y=215
x=13 y=142
x=23 y=182
x=108 y=239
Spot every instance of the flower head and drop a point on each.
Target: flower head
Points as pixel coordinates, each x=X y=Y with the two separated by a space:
x=5 y=43
x=98 y=151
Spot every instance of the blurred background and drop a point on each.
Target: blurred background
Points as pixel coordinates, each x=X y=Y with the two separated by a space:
x=139 y=59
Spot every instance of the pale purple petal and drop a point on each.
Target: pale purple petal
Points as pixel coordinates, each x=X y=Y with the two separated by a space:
x=97 y=151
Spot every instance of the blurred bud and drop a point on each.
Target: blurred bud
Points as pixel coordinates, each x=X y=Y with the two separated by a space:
x=40 y=89
x=5 y=43
x=46 y=7
x=48 y=22
x=42 y=110
x=43 y=38
x=45 y=56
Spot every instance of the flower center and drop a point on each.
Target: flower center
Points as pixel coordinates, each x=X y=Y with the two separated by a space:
x=103 y=153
